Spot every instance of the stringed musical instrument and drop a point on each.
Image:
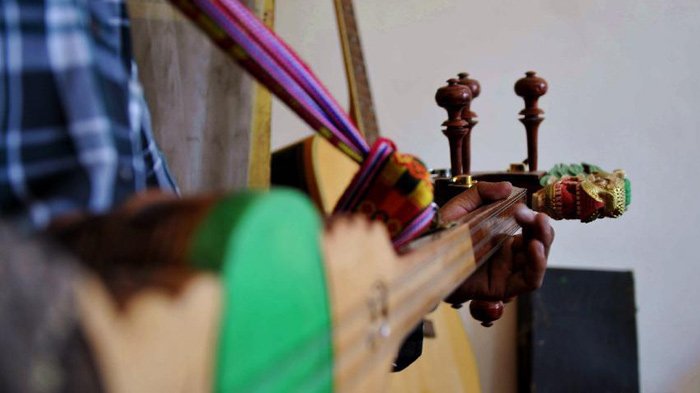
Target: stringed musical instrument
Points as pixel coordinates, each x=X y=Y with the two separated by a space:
x=319 y=170
x=448 y=340
x=357 y=148
x=299 y=312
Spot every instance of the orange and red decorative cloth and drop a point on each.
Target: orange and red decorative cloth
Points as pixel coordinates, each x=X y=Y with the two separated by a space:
x=394 y=188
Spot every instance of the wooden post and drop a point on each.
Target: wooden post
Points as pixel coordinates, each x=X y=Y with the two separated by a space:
x=259 y=154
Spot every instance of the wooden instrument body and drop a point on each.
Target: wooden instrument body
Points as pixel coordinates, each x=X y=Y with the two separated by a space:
x=316 y=168
x=156 y=342
x=375 y=297
x=447 y=363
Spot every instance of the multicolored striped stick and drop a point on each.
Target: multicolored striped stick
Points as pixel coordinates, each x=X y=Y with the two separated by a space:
x=391 y=187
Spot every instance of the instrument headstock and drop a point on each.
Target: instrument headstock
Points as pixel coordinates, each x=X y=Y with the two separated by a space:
x=530 y=88
x=524 y=175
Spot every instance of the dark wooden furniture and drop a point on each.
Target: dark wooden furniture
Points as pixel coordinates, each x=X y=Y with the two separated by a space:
x=578 y=333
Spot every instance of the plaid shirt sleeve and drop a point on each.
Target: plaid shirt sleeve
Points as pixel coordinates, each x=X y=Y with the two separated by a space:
x=74 y=127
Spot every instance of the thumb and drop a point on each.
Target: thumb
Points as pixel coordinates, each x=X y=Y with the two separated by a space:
x=474 y=197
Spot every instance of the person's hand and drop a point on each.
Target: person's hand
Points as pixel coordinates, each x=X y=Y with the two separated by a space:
x=520 y=264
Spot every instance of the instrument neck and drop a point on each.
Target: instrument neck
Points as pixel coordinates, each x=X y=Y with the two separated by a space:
x=361 y=105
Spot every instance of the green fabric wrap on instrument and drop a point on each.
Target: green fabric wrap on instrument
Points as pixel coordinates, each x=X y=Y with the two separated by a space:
x=275 y=333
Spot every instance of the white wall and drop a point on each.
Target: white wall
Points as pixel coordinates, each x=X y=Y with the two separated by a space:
x=624 y=92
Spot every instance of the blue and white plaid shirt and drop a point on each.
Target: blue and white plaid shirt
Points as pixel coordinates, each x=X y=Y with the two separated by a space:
x=74 y=127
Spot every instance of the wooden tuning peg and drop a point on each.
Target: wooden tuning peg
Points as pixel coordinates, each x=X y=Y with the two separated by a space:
x=470 y=117
x=474 y=88
x=531 y=88
x=486 y=311
x=453 y=98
